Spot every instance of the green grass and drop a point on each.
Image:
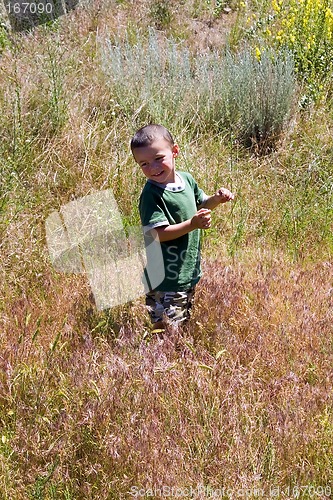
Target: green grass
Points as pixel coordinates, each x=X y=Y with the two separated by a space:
x=92 y=404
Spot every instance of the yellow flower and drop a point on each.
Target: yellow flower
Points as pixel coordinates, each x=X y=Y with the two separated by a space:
x=258 y=53
x=329 y=14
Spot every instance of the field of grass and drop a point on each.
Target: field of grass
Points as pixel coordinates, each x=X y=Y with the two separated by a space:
x=94 y=406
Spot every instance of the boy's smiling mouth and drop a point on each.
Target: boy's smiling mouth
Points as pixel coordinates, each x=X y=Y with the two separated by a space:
x=160 y=173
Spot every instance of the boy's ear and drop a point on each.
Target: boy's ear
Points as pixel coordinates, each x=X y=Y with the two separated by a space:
x=175 y=150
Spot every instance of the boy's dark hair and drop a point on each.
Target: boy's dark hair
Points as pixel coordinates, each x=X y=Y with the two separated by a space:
x=145 y=136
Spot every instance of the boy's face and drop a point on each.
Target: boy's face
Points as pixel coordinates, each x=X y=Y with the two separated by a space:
x=157 y=161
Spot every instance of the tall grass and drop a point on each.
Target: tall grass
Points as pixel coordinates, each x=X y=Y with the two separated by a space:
x=240 y=401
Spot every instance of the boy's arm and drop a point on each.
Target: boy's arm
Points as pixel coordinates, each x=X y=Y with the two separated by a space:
x=201 y=220
x=222 y=195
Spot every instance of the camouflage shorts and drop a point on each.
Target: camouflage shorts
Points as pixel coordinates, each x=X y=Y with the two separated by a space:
x=175 y=305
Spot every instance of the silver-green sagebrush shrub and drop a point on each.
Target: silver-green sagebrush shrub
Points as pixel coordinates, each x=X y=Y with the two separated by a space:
x=243 y=95
x=256 y=96
x=151 y=80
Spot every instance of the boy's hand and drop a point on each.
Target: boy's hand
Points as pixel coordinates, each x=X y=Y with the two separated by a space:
x=224 y=195
x=202 y=219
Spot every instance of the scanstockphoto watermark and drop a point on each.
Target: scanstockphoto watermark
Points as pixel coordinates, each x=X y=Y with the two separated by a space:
x=87 y=236
x=174 y=261
x=204 y=491
x=198 y=492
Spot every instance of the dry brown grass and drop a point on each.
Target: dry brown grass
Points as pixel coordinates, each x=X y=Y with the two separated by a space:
x=241 y=399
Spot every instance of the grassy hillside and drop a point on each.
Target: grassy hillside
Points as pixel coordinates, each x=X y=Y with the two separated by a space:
x=92 y=404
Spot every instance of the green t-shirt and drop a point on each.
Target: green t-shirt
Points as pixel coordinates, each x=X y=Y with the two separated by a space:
x=164 y=205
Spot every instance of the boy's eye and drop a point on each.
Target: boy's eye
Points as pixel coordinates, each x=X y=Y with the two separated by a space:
x=160 y=158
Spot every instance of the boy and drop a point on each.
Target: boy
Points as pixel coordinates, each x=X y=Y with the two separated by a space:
x=173 y=209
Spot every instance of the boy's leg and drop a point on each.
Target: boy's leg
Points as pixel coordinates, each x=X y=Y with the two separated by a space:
x=172 y=305
x=155 y=309
x=178 y=305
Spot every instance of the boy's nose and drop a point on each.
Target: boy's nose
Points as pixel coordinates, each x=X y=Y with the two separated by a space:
x=154 y=166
